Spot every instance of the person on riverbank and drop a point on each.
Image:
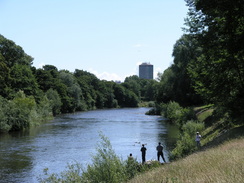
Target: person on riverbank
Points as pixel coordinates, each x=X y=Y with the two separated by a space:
x=143 y=153
x=198 y=140
x=160 y=152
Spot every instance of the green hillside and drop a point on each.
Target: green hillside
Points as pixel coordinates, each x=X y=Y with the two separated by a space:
x=223 y=163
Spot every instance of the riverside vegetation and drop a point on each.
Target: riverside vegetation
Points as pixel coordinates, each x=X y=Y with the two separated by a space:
x=207 y=71
x=30 y=96
x=106 y=167
x=223 y=163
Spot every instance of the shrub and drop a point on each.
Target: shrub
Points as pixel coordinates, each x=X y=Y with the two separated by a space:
x=186 y=144
x=151 y=104
x=191 y=127
x=177 y=114
x=4 y=125
x=22 y=112
x=132 y=167
x=156 y=110
x=106 y=167
x=72 y=174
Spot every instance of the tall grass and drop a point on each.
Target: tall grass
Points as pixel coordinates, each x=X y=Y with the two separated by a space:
x=224 y=164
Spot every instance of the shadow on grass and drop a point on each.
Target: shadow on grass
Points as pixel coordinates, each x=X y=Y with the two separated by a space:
x=224 y=136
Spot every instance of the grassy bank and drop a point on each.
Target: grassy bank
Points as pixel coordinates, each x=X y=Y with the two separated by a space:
x=224 y=163
x=220 y=159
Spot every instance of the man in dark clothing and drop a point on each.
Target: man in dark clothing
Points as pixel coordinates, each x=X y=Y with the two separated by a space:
x=160 y=152
x=143 y=153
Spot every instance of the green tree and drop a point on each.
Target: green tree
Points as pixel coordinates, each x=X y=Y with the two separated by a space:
x=165 y=87
x=5 y=86
x=19 y=110
x=13 y=54
x=45 y=79
x=109 y=95
x=133 y=83
x=15 y=70
x=5 y=126
x=176 y=83
x=219 y=72
x=23 y=79
x=55 y=101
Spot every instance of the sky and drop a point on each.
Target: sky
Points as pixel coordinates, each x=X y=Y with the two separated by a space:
x=109 y=38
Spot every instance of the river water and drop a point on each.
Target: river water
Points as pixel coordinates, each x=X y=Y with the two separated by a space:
x=73 y=138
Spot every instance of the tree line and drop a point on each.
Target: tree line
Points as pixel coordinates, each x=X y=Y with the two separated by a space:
x=208 y=68
x=29 y=95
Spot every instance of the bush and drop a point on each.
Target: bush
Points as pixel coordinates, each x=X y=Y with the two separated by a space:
x=72 y=174
x=22 y=112
x=191 y=127
x=4 y=125
x=186 y=144
x=177 y=114
x=156 y=110
x=132 y=167
x=106 y=167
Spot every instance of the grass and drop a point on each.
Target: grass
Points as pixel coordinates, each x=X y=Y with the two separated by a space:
x=224 y=163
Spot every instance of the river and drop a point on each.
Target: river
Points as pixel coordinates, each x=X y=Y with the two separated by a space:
x=72 y=138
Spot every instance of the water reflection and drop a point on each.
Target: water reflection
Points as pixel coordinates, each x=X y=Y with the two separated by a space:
x=14 y=157
x=170 y=137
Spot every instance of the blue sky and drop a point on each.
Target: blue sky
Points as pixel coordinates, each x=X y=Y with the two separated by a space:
x=108 y=38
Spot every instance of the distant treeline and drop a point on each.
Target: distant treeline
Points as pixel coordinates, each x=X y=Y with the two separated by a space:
x=29 y=95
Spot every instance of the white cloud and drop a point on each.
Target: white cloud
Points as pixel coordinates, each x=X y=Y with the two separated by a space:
x=107 y=76
x=39 y=65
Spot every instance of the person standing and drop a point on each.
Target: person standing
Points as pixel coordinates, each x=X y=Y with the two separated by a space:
x=143 y=153
x=160 y=152
x=198 y=139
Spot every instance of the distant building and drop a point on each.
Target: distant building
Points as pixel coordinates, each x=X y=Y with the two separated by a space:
x=146 y=71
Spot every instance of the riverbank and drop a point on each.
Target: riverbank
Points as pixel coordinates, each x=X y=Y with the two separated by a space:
x=220 y=159
x=224 y=163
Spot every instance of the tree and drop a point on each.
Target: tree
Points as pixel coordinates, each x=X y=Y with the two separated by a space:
x=5 y=86
x=55 y=101
x=164 y=91
x=219 y=72
x=15 y=69
x=13 y=54
x=23 y=79
x=175 y=83
x=144 y=89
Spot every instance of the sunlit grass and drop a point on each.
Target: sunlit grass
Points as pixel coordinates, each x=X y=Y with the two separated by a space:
x=204 y=115
x=223 y=164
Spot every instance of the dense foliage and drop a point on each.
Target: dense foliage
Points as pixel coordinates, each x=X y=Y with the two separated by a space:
x=48 y=91
x=208 y=60
x=218 y=73
x=175 y=83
